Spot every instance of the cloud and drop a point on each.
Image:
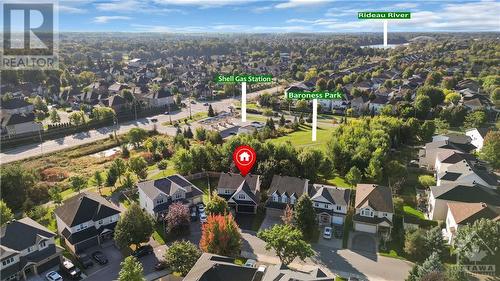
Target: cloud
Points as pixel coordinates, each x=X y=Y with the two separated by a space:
x=128 y=6
x=300 y=3
x=204 y=3
x=70 y=10
x=406 y=5
x=106 y=19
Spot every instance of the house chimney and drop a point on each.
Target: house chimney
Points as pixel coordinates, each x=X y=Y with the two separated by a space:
x=259 y=273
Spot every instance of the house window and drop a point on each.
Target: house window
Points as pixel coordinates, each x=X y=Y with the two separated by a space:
x=81 y=227
x=241 y=196
x=42 y=245
x=178 y=196
x=316 y=204
x=100 y=222
x=367 y=213
x=7 y=261
x=159 y=201
x=227 y=191
x=339 y=208
x=292 y=200
x=30 y=249
x=384 y=214
x=284 y=199
x=327 y=206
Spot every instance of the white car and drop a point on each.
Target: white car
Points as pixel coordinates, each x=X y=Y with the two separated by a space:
x=201 y=208
x=250 y=263
x=203 y=217
x=53 y=276
x=327 y=233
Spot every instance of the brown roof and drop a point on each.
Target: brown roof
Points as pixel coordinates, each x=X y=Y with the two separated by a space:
x=464 y=213
x=377 y=197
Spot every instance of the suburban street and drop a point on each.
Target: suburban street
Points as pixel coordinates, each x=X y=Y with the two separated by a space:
x=49 y=146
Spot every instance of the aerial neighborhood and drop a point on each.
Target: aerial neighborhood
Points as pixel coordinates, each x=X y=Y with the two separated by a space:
x=119 y=166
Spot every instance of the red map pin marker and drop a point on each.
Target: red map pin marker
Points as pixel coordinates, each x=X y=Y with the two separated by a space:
x=244 y=158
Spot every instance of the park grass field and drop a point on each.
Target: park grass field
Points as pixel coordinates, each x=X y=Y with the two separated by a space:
x=302 y=137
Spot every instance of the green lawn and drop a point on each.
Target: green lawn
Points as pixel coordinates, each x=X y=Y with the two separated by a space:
x=302 y=137
x=152 y=175
x=338 y=181
x=409 y=210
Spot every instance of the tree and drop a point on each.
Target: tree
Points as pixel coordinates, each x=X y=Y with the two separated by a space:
x=396 y=173
x=139 y=166
x=6 y=214
x=221 y=235
x=452 y=97
x=310 y=160
x=217 y=205
x=177 y=218
x=214 y=137
x=55 y=194
x=305 y=216
x=127 y=181
x=77 y=117
x=287 y=216
x=434 y=241
x=481 y=236
x=54 y=116
x=431 y=264
x=426 y=180
x=17 y=182
x=353 y=177
x=136 y=136
x=490 y=149
x=287 y=242
x=131 y=270
x=181 y=256
x=282 y=121
x=321 y=84
x=78 y=183
x=415 y=243
x=134 y=227
x=200 y=134
x=99 y=181
x=423 y=105
x=426 y=131
x=475 y=119
x=435 y=94
x=456 y=273
x=211 y=112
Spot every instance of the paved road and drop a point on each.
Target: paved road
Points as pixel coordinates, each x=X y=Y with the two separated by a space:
x=331 y=260
x=31 y=150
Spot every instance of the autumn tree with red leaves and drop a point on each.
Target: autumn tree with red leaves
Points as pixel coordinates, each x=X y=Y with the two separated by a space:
x=177 y=218
x=221 y=236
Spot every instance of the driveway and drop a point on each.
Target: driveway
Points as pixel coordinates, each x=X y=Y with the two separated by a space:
x=272 y=218
x=363 y=242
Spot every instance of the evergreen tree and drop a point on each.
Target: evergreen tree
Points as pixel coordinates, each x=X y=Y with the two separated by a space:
x=305 y=216
x=211 y=112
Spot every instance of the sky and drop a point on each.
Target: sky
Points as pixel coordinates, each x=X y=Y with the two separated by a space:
x=252 y=16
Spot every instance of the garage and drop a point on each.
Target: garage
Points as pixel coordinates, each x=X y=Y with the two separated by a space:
x=245 y=209
x=365 y=227
x=338 y=220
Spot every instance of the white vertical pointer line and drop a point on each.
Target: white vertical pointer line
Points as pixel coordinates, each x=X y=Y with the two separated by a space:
x=243 y=101
x=315 y=119
x=385 y=33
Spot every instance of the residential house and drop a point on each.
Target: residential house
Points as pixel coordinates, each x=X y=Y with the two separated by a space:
x=210 y=267
x=242 y=193
x=374 y=209
x=465 y=173
x=155 y=196
x=448 y=157
x=251 y=128
x=116 y=102
x=160 y=98
x=17 y=124
x=477 y=136
x=15 y=106
x=86 y=220
x=427 y=155
x=27 y=248
x=283 y=191
x=440 y=196
x=453 y=138
x=460 y=214
x=331 y=203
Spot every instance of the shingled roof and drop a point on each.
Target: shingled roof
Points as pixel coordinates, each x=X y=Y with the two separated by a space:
x=378 y=197
x=465 y=213
x=85 y=207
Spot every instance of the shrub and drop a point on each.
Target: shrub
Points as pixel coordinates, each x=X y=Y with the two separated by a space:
x=162 y=165
x=54 y=174
x=148 y=156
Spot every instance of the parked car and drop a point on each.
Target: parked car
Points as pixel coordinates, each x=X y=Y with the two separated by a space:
x=143 y=251
x=203 y=217
x=53 y=276
x=100 y=257
x=85 y=260
x=194 y=216
x=327 y=233
x=160 y=266
x=166 y=113
x=250 y=263
x=205 y=104
x=193 y=102
x=69 y=268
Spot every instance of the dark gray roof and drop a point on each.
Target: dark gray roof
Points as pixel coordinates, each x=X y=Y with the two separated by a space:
x=450 y=176
x=18 y=119
x=14 y=104
x=85 y=207
x=169 y=185
x=19 y=235
x=233 y=181
x=466 y=193
x=288 y=185
x=337 y=196
x=245 y=187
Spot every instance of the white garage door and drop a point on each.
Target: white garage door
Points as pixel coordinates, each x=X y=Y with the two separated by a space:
x=337 y=220
x=365 y=228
